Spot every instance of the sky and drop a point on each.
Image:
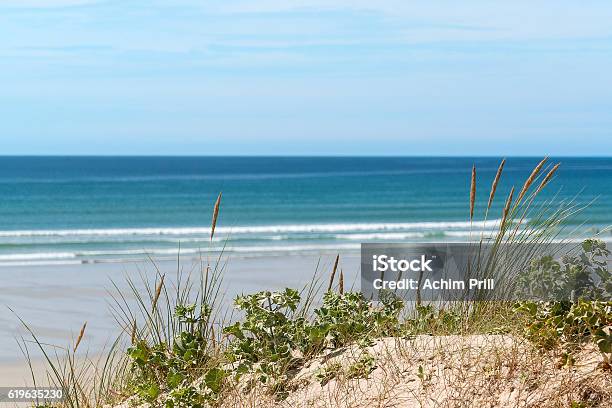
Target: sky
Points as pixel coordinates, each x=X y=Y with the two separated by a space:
x=305 y=77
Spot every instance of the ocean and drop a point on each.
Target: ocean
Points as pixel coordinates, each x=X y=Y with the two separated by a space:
x=72 y=210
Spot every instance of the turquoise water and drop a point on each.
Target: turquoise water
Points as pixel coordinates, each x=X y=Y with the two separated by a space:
x=94 y=209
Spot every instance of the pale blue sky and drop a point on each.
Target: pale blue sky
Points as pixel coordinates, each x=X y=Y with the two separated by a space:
x=305 y=77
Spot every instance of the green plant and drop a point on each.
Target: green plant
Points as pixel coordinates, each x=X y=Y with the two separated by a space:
x=423 y=376
x=427 y=319
x=185 y=396
x=265 y=339
x=581 y=310
x=272 y=339
x=567 y=324
x=362 y=367
x=158 y=368
x=326 y=373
x=571 y=277
x=344 y=318
x=200 y=393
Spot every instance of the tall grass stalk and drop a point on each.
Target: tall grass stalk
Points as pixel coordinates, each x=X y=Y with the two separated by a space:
x=525 y=231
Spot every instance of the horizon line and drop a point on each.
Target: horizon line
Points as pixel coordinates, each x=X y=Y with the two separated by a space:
x=298 y=156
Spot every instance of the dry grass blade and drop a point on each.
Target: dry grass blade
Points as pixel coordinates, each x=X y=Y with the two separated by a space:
x=548 y=177
x=333 y=274
x=160 y=285
x=530 y=180
x=506 y=208
x=133 y=337
x=341 y=282
x=495 y=182
x=215 y=215
x=81 y=334
x=473 y=192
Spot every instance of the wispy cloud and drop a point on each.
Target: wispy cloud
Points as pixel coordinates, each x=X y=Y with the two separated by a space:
x=309 y=69
x=45 y=4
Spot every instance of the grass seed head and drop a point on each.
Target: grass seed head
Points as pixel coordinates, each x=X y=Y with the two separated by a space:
x=215 y=216
x=495 y=181
x=473 y=192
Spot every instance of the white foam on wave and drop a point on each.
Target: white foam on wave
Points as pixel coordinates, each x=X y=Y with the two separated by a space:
x=306 y=238
x=412 y=235
x=474 y=234
x=40 y=263
x=380 y=236
x=37 y=256
x=255 y=229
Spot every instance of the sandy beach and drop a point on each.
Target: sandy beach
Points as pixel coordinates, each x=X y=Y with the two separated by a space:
x=55 y=301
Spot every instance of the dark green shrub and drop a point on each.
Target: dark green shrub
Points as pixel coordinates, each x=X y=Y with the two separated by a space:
x=567 y=324
x=272 y=339
x=570 y=278
x=159 y=368
x=344 y=318
x=268 y=334
x=584 y=314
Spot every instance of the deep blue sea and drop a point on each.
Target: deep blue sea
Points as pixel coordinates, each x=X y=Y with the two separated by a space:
x=94 y=209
